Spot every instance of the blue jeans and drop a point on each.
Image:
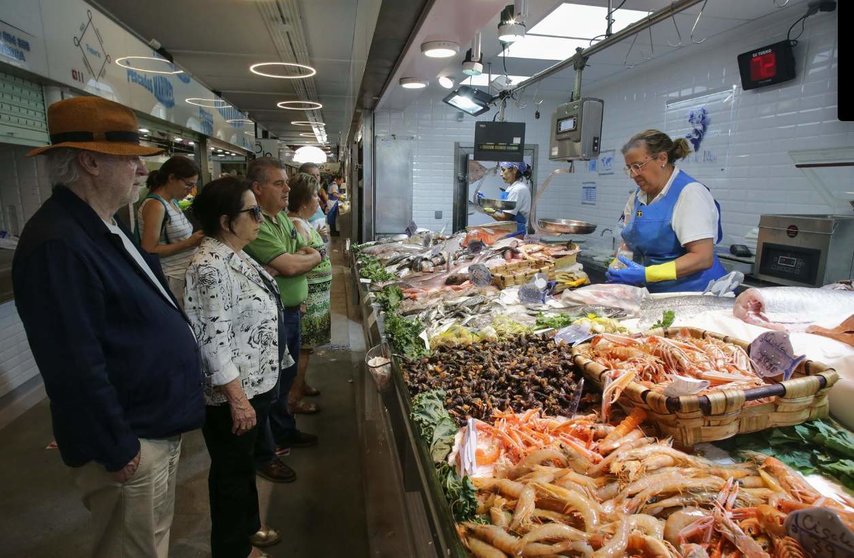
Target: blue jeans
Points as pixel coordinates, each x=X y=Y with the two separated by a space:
x=281 y=424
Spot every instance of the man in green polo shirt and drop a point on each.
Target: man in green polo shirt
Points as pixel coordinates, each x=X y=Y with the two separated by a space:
x=279 y=249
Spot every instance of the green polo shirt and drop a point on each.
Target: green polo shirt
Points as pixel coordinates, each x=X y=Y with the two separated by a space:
x=278 y=236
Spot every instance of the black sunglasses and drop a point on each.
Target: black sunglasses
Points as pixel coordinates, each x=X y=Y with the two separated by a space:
x=255 y=211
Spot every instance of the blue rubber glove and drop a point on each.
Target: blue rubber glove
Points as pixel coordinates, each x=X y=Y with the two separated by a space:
x=634 y=274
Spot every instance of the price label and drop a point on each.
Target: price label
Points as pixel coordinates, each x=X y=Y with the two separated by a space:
x=772 y=354
x=821 y=531
x=411 y=228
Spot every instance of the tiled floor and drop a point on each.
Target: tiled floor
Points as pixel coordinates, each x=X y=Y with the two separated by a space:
x=322 y=514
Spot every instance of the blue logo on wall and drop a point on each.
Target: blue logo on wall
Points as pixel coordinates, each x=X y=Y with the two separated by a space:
x=184 y=77
x=699 y=120
x=206 y=120
x=158 y=86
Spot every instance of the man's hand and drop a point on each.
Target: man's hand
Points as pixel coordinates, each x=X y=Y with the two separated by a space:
x=242 y=416
x=271 y=270
x=309 y=251
x=126 y=472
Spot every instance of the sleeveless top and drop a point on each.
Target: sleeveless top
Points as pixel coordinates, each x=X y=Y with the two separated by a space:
x=177 y=228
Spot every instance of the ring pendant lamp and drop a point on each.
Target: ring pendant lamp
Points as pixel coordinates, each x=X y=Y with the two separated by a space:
x=207 y=103
x=124 y=62
x=308 y=71
x=299 y=105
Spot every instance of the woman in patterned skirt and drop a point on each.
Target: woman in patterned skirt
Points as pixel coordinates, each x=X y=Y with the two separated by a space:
x=303 y=202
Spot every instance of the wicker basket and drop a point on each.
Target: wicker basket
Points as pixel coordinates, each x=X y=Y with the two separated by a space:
x=519 y=273
x=722 y=414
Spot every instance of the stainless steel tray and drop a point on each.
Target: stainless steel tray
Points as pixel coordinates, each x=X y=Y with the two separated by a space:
x=565 y=226
x=497 y=205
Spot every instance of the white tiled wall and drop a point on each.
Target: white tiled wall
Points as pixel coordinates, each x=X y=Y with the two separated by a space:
x=23 y=188
x=752 y=173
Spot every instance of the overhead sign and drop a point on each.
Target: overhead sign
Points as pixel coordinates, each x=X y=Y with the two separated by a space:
x=73 y=43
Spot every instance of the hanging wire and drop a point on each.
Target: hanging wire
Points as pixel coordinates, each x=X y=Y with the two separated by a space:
x=803 y=21
x=696 y=21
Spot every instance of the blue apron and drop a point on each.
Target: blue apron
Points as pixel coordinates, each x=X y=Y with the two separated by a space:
x=521 y=220
x=650 y=235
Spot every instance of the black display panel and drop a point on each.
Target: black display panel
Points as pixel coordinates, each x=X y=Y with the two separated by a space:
x=789 y=262
x=767 y=65
x=499 y=141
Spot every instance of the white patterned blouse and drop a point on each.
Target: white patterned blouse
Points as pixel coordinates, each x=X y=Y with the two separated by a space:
x=235 y=318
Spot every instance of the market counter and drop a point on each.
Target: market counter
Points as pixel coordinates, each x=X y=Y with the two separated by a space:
x=416 y=464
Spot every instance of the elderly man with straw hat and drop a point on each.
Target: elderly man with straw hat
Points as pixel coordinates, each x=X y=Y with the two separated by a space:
x=119 y=359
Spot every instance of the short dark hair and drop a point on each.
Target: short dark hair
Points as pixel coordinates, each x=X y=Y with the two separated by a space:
x=305 y=167
x=257 y=171
x=303 y=187
x=223 y=196
x=178 y=166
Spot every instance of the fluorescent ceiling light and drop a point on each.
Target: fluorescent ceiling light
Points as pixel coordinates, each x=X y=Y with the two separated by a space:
x=144 y=130
x=299 y=105
x=129 y=61
x=281 y=70
x=483 y=80
x=544 y=48
x=178 y=140
x=191 y=143
x=307 y=134
x=439 y=49
x=446 y=82
x=307 y=123
x=239 y=121
x=469 y=100
x=584 y=22
x=412 y=83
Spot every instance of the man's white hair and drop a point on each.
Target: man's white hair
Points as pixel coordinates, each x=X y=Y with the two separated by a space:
x=62 y=166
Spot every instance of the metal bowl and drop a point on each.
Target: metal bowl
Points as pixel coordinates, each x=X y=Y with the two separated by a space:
x=497 y=205
x=565 y=226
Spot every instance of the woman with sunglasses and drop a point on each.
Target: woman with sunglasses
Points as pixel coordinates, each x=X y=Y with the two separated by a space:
x=234 y=307
x=671 y=222
x=162 y=227
x=517 y=176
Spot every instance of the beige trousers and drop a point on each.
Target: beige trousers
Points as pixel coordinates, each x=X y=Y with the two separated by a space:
x=133 y=519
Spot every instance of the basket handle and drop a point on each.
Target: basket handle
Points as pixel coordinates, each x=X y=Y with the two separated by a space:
x=674 y=404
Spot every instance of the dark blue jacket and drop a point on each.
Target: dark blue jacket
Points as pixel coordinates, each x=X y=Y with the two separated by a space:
x=119 y=361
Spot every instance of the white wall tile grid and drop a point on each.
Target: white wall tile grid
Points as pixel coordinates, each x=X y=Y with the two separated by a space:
x=752 y=172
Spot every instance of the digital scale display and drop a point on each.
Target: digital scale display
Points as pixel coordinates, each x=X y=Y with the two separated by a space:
x=568 y=124
x=788 y=262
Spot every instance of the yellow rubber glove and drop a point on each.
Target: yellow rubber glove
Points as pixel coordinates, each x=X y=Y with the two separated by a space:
x=661 y=272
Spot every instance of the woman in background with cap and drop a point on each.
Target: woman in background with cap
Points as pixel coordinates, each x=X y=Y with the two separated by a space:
x=518 y=176
x=672 y=222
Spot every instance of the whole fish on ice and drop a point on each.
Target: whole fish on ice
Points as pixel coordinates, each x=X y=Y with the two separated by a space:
x=792 y=308
x=683 y=306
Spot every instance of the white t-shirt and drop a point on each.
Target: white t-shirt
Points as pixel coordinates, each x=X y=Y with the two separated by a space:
x=695 y=215
x=519 y=193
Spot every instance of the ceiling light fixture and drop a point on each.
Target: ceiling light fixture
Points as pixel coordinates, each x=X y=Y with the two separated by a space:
x=307 y=123
x=473 y=63
x=469 y=100
x=207 y=103
x=309 y=154
x=446 y=82
x=125 y=62
x=306 y=134
x=239 y=121
x=309 y=71
x=511 y=26
x=412 y=83
x=439 y=49
x=144 y=130
x=299 y=105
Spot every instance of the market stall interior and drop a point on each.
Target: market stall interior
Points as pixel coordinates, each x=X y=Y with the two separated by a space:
x=501 y=378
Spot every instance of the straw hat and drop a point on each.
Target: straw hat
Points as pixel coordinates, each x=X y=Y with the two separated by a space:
x=94 y=124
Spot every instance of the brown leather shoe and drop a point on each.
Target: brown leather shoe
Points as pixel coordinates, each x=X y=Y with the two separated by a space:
x=265 y=537
x=276 y=471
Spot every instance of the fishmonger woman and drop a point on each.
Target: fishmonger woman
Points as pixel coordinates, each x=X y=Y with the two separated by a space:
x=672 y=222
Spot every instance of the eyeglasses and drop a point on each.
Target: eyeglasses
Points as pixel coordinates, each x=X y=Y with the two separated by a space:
x=190 y=183
x=255 y=212
x=635 y=168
